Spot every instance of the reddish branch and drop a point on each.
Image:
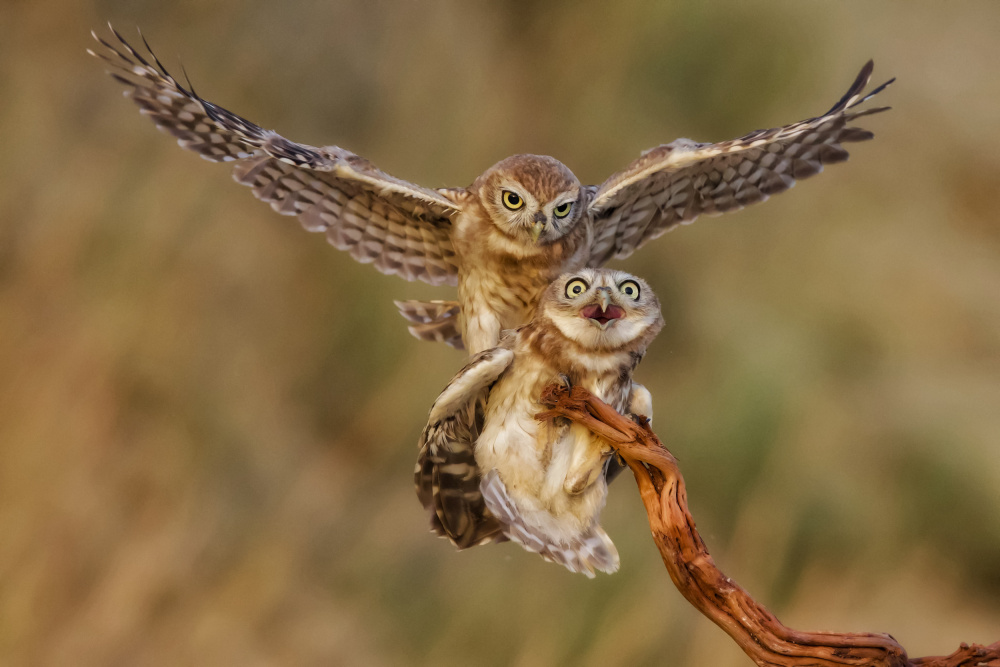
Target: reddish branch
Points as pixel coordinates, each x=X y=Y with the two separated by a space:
x=695 y=574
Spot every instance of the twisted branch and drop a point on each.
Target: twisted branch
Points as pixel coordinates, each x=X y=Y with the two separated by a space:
x=757 y=631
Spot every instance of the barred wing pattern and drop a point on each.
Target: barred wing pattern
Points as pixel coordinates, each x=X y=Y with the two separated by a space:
x=402 y=228
x=447 y=475
x=434 y=321
x=675 y=183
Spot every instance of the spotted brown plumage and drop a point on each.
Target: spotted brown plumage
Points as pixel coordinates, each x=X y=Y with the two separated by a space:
x=488 y=470
x=524 y=221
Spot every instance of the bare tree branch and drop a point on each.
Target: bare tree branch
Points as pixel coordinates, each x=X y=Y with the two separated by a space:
x=757 y=631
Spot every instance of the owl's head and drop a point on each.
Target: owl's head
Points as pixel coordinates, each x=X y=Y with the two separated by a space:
x=532 y=199
x=603 y=309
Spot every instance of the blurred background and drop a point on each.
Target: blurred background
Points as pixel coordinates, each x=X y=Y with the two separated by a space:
x=208 y=417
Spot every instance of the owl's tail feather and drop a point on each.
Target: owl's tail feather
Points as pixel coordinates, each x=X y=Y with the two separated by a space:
x=585 y=552
x=434 y=321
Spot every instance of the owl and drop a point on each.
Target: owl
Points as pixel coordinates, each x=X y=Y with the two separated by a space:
x=522 y=223
x=488 y=470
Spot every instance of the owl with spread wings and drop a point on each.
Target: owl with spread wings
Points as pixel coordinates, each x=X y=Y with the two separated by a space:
x=489 y=471
x=522 y=222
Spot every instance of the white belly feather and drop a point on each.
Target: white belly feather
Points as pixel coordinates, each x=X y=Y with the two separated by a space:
x=554 y=473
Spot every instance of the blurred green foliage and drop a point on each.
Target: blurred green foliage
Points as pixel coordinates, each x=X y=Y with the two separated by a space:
x=208 y=417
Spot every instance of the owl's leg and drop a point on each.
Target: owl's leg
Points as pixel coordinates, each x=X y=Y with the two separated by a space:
x=482 y=329
x=587 y=461
x=641 y=402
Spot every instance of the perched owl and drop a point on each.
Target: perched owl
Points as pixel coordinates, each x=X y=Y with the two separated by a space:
x=520 y=224
x=488 y=470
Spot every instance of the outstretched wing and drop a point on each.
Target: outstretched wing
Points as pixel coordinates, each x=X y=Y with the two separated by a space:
x=401 y=228
x=447 y=475
x=675 y=183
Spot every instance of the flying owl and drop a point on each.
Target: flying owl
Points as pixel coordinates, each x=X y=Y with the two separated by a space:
x=488 y=470
x=522 y=223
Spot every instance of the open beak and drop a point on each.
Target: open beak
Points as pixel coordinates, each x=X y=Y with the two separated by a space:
x=603 y=313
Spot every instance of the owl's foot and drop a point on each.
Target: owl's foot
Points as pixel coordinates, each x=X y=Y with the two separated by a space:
x=585 y=469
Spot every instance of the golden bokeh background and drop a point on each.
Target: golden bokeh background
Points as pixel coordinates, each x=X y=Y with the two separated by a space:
x=208 y=417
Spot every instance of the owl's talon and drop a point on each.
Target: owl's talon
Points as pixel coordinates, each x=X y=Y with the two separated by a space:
x=564 y=382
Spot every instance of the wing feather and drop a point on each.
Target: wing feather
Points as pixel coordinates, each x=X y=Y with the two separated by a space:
x=401 y=228
x=447 y=476
x=434 y=321
x=675 y=183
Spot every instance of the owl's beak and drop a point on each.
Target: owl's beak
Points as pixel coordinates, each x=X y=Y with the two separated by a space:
x=603 y=297
x=536 y=230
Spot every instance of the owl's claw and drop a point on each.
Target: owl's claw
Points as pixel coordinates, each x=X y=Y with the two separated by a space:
x=564 y=382
x=641 y=420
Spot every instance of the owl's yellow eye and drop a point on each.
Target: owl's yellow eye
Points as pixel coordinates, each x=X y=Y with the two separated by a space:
x=576 y=287
x=512 y=200
x=562 y=210
x=630 y=288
